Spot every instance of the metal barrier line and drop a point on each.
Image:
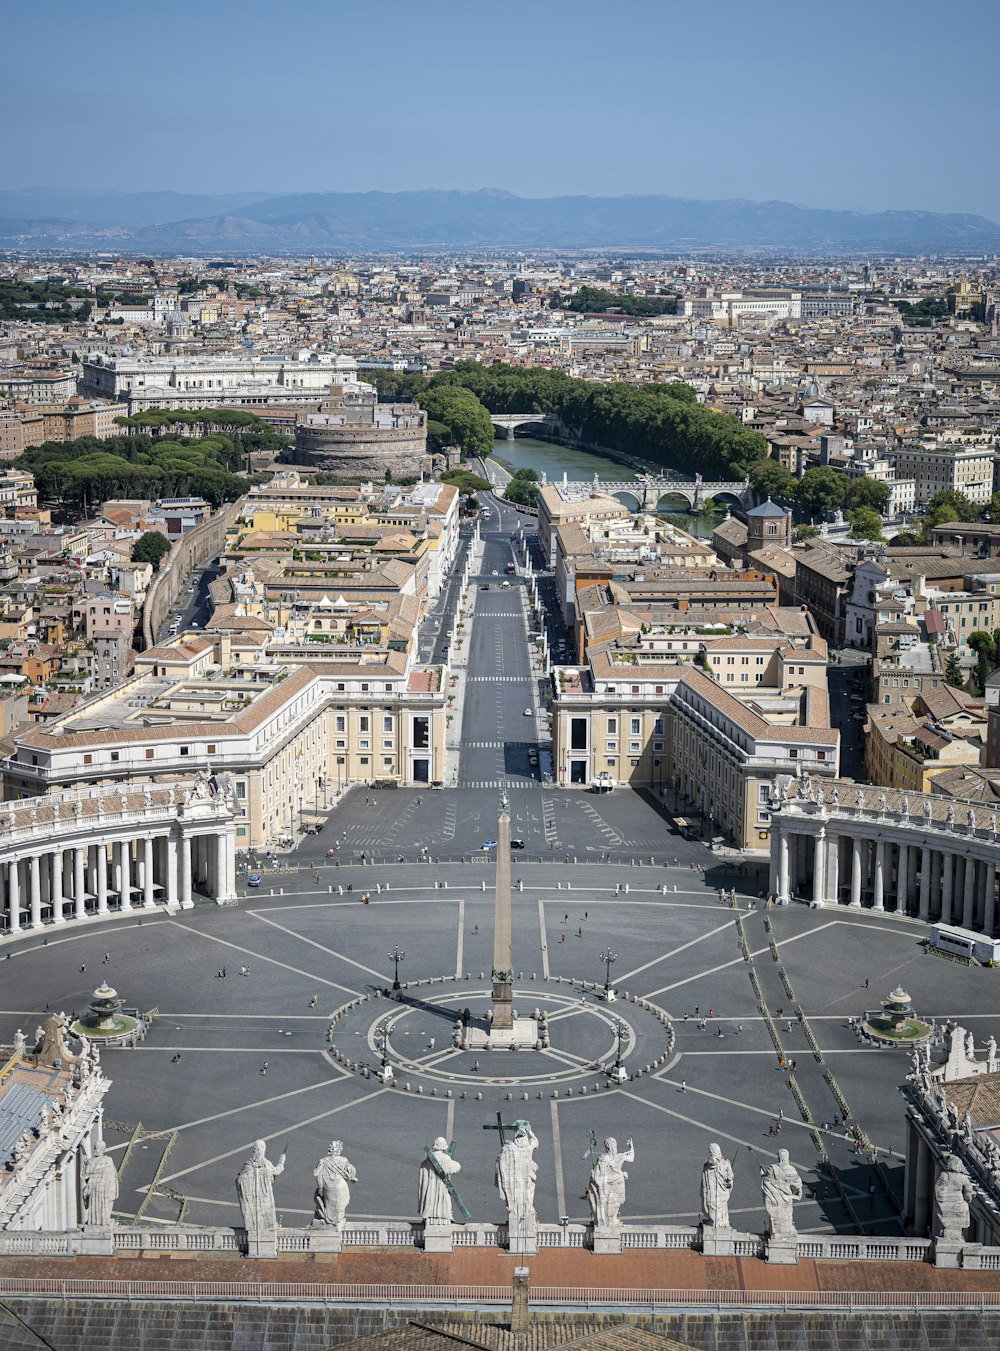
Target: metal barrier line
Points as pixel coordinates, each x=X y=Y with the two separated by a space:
x=493 y=1294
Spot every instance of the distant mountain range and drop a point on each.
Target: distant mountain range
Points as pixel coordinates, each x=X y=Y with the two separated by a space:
x=374 y=222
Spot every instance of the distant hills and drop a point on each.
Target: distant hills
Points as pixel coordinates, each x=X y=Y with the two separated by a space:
x=374 y=222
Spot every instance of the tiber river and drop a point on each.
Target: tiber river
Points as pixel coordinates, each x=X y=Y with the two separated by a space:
x=554 y=459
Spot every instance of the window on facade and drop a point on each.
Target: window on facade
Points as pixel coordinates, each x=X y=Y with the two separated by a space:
x=635 y=726
x=364 y=759
x=185 y=750
x=88 y=759
x=387 y=724
x=421 y=734
x=578 y=734
x=635 y=689
x=363 y=722
x=114 y=755
x=612 y=725
x=387 y=745
x=658 y=727
x=635 y=746
x=211 y=750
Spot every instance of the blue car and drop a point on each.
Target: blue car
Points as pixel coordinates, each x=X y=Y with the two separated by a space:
x=488 y=844
x=253 y=880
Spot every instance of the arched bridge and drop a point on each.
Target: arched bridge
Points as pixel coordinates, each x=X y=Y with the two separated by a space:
x=648 y=490
x=506 y=424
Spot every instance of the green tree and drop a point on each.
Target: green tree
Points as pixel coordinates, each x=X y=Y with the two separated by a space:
x=461 y=411
x=868 y=492
x=953 y=672
x=466 y=481
x=768 y=478
x=950 y=506
x=993 y=510
x=820 y=490
x=865 y=523
x=802 y=532
x=150 y=548
x=523 y=488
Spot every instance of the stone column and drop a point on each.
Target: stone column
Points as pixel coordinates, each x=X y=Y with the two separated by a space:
x=79 y=883
x=879 y=902
x=819 y=871
x=782 y=897
x=35 y=884
x=989 y=913
x=185 y=883
x=171 y=876
x=947 y=885
x=969 y=898
x=102 y=879
x=855 y=872
x=833 y=868
x=148 y=894
x=56 y=886
x=902 y=878
x=125 y=873
x=14 y=895
x=925 y=883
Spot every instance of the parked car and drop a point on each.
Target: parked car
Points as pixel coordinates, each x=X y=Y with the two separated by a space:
x=528 y=712
x=517 y=844
x=253 y=880
x=488 y=844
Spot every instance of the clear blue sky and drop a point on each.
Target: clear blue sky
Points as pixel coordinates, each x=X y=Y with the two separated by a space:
x=863 y=105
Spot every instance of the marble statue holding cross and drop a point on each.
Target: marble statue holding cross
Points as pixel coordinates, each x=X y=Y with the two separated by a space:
x=515 y=1176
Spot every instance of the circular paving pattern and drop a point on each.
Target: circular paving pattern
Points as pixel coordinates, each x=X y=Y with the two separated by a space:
x=419 y=1032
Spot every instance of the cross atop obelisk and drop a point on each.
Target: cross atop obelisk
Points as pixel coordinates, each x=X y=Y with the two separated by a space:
x=503 y=959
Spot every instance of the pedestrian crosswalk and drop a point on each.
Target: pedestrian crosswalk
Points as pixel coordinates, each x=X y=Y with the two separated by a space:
x=497 y=745
x=500 y=679
x=512 y=782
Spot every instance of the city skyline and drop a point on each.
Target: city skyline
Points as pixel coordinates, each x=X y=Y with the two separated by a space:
x=537 y=101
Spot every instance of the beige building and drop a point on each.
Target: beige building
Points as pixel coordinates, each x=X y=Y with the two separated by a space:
x=937 y=468
x=290 y=737
x=648 y=720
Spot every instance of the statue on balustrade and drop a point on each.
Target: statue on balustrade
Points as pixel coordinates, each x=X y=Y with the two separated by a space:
x=255 y=1189
x=952 y=1194
x=716 y=1187
x=606 y=1188
x=781 y=1187
x=516 y=1171
x=100 y=1187
x=332 y=1174
x=433 y=1194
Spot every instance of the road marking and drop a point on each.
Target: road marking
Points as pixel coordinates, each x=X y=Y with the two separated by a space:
x=461 y=938
x=252 y=1106
x=734 y=1139
x=273 y=961
x=332 y=952
x=674 y=951
x=284 y=1133
x=449 y=1129
x=557 y=1159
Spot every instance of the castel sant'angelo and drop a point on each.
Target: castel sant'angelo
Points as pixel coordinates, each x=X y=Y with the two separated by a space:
x=356 y=437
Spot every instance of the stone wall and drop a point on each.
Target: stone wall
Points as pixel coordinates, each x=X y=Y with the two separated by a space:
x=358 y=453
x=199 y=545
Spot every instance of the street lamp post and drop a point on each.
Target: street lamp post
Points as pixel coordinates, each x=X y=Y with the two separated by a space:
x=396 y=956
x=607 y=957
x=618 y=1072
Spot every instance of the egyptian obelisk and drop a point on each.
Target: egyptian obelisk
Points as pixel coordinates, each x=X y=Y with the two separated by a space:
x=503 y=959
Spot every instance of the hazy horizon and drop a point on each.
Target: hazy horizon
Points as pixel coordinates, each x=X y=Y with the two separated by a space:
x=855 y=109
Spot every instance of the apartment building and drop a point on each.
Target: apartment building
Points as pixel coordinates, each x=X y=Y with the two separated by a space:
x=290 y=737
x=946 y=467
x=649 y=721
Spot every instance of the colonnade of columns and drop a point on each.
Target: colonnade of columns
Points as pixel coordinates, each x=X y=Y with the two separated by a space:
x=943 y=880
x=49 y=883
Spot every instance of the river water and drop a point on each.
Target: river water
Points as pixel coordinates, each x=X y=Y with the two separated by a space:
x=554 y=459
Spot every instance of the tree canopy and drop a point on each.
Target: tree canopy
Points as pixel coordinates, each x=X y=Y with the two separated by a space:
x=522 y=490
x=82 y=473
x=466 y=481
x=820 y=490
x=596 y=300
x=150 y=548
x=865 y=523
x=771 y=479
